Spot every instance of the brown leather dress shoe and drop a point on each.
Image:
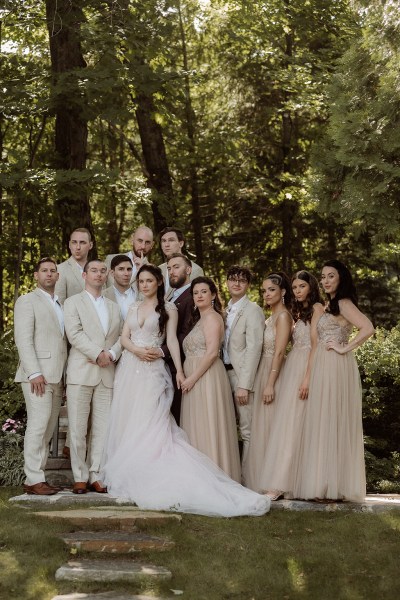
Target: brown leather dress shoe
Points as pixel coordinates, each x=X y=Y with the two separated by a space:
x=97 y=487
x=40 y=489
x=80 y=487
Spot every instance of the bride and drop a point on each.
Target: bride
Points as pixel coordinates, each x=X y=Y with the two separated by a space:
x=147 y=458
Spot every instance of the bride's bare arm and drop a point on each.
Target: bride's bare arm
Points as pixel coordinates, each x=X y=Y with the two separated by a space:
x=173 y=344
x=212 y=328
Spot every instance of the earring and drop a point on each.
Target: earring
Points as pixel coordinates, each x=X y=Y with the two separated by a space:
x=212 y=303
x=283 y=298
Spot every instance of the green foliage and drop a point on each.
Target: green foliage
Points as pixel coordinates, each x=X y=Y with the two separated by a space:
x=379 y=362
x=358 y=175
x=12 y=403
x=11 y=459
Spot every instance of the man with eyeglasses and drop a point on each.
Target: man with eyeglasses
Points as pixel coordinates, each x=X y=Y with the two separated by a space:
x=242 y=346
x=93 y=326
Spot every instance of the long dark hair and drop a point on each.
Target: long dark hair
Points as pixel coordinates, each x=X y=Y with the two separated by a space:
x=213 y=289
x=346 y=287
x=160 y=308
x=299 y=310
x=280 y=279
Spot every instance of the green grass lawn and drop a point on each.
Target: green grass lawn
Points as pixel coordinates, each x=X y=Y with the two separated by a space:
x=289 y=556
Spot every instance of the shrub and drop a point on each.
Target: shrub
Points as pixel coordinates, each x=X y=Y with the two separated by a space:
x=12 y=403
x=11 y=458
x=379 y=362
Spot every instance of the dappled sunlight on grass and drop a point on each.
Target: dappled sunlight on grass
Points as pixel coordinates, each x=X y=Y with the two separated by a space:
x=9 y=565
x=298 y=579
x=391 y=519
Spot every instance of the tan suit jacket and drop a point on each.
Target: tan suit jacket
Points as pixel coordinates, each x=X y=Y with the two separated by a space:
x=42 y=348
x=88 y=339
x=245 y=343
x=70 y=281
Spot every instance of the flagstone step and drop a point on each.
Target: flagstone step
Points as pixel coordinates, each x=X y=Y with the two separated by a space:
x=67 y=498
x=123 y=518
x=110 y=570
x=116 y=542
x=104 y=596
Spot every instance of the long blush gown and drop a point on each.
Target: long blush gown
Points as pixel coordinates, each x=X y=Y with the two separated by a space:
x=208 y=413
x=147 y=457
x=263 y=414
x=281 y=456
x=331 y=459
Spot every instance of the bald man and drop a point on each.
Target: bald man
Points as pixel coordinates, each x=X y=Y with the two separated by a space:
x=142 y=241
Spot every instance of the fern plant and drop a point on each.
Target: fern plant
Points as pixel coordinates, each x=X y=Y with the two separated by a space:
x=11 y=459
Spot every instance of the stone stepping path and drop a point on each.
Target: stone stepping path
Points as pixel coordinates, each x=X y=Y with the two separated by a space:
x=66 y=498
x=115 y=542
x=372 y=504
x=123 y=518
x=375 y=503
x=103 y=596
x=104 y=570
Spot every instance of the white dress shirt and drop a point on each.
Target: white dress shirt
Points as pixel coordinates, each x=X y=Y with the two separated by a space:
x=178 y=292
x=125 y=299
x=102 y=312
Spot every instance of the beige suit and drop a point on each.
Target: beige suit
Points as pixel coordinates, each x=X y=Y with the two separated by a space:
x=197 y=271
x=244 y=349
x=42 y=349
x=70 y=281
x=89 y=387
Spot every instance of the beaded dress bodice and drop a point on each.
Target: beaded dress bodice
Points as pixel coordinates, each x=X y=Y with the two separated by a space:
x=194 y=343
x=148 y=333
x=330 y=329
x=302 y=335
x=269 y=336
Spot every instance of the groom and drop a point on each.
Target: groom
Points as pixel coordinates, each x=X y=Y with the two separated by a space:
x=179 y=271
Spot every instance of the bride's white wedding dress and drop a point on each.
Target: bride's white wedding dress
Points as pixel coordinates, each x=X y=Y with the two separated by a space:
x=147 y=458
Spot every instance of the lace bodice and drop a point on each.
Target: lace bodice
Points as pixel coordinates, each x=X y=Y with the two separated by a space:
x=302 y=335
x=148 y=334
x=330 y=329
x=269 y=336
x=194 y=343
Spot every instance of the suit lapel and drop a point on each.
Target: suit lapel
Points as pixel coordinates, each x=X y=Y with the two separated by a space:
x=89 y=304
x=52 y=312
x=75 y=270
x=239 y=314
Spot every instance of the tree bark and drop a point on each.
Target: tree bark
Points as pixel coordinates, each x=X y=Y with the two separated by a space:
x=64 y=18
x=191 y=134
x=155 y=158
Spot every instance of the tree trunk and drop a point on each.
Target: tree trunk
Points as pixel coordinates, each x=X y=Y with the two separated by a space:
x=191 y=128
x=155 y=157
x=64 y=18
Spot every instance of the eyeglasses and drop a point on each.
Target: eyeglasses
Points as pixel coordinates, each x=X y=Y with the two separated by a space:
x=240 y=280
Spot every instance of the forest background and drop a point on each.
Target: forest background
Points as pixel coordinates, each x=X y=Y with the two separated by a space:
x=268 y=131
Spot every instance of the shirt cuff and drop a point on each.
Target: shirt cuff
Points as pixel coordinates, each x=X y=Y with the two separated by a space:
x=113 y=355
x=33 y=376
x=162 y=353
